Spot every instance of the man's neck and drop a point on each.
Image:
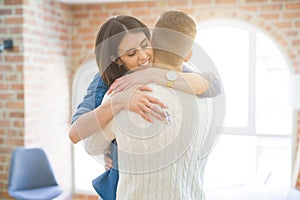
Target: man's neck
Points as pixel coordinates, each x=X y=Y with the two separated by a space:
x=166 y=66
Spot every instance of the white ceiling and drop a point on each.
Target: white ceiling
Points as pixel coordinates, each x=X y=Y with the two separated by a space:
x=94 y=1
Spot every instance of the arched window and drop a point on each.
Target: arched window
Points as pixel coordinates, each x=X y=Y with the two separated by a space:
x=256 y=143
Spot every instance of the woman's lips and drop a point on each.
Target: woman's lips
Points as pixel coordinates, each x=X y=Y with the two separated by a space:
x=144 y=64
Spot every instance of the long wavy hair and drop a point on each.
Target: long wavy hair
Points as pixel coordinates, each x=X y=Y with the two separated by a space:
x=108 y=39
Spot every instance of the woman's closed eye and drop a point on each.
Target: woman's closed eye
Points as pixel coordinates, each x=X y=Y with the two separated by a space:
x=131 y=53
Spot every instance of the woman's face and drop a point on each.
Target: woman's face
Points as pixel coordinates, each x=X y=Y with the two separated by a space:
x=135 y=50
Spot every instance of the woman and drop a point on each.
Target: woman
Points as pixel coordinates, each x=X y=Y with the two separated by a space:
x=121 y=54
x=138 y=54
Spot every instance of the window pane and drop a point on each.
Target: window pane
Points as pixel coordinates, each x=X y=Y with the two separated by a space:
x=232 y=162
x=246 y=160
x=273 y=115
x=273 y=161
x=229 y=49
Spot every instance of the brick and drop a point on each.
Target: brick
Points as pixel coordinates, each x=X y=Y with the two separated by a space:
x=292 y=33
x=4 y=123
x=84 y=197
x=283 y=24
x=16 y=29
x=13 y=2
x=18 y=124
x=3 y=30
x=3 y=176
x=5 y=150
x=99 y=16
x=7 y=68
x=296 y=43
x=16 y=142
x=256 y=1
x=16 y=114
x=292 y=6
x=141 y=12
x=11 y=78
x=297 y=24
x=85 y=30
x=14 y=20
x=4 y=86
x=98 y=7
x=18 y=105
x=200 y=2
x=113 y=6
x=291 y=15
x=65 y=6
x=14 y=58
x=178 y=3
x=132 y=5
x=270 y=16
x=19 y=11
x=81 y=15
x=275 y=8
x=17 y=86
x=5 y=95
x=226 y=1
x=78 y=7
x=5 y=11
x=20 y=96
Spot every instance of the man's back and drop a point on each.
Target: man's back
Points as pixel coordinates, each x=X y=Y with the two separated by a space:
x=163 y=160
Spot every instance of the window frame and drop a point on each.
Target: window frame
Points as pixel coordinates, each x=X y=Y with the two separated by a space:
x=250 y=129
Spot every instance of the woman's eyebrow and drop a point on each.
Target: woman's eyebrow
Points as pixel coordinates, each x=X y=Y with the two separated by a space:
x=145 y=39
x=132 y=49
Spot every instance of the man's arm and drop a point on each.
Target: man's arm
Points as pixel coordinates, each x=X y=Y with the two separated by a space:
x=213 y=83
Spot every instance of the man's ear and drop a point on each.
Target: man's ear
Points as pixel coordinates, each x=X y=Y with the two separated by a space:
x=188 y=57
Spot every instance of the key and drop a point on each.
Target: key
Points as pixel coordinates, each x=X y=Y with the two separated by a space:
x=168 y=117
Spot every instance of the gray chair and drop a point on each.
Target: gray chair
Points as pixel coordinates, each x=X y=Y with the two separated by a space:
x=31 y=176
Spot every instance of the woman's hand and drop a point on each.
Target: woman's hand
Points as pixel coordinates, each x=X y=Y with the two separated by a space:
x=139 y=77
x=107 y=160
x=137 y=100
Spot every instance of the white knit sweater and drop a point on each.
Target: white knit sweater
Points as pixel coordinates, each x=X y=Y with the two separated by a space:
x=160 y=160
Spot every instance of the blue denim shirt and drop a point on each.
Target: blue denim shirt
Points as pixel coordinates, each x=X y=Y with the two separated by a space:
x=106 y=184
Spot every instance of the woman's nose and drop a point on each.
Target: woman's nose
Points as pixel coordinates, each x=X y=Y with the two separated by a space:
x=142 y=54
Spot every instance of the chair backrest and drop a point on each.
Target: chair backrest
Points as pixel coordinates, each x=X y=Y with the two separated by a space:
x=29 y=169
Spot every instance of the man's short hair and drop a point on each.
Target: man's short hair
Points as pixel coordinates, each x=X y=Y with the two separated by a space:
x=173 y=37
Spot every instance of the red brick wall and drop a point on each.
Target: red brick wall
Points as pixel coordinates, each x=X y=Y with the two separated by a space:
x=35 y=84
x=11 y=89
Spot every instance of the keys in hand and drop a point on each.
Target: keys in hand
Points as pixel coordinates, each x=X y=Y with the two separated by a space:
x=168 y=117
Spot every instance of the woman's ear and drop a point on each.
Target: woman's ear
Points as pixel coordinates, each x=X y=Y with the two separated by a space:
x=188 y=57
x=116 y=60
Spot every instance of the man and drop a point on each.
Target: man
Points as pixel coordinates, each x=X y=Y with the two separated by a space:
x=163 y=160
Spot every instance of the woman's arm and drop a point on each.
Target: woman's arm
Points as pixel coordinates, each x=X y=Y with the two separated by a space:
x=133 y=99
x=196 y=83
x=93 y=97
